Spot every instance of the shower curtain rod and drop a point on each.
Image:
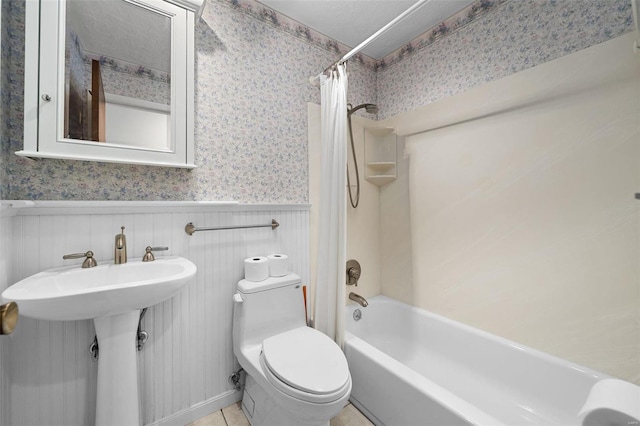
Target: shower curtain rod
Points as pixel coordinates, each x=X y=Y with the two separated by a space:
x=314 y=80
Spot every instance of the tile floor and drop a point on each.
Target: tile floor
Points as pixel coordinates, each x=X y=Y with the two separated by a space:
x=233 y=416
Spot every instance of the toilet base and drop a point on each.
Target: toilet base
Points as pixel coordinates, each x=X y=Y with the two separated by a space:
x=262 y=410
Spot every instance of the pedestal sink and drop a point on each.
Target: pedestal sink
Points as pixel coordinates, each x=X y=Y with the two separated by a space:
x=111 y=295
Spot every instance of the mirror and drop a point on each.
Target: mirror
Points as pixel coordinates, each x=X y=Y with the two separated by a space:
x=117 y=74
x=110 y=80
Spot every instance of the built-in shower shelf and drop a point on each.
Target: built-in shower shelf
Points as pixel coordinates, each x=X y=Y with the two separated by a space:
x=380 y=156
x=381 y=166
x=381 y=180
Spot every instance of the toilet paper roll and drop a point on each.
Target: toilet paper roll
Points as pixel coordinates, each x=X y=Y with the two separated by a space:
x=256 y=268
x=278 y=265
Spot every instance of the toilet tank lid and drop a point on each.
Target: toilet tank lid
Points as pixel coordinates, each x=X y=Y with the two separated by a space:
x=245 y=286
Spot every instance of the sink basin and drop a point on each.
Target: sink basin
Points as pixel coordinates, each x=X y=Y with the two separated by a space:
x=74 y=293
x=111 y=295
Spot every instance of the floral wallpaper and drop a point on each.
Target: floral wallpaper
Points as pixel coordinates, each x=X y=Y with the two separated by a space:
x=252 y=70
x=309 y=35
x=514 y=36
x=474 y=11
x=4 y=100
x=252 y=91
x=133 y=84
x=118 y=77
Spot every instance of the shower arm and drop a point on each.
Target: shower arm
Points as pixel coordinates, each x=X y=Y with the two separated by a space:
x=367 y=106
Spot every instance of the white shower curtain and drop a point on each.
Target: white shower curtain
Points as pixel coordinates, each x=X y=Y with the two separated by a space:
x=329 y=300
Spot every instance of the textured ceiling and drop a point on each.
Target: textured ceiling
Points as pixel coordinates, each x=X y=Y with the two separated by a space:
x=352 y=21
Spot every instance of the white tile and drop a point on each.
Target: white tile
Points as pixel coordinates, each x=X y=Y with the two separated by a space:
x=234 y=416
x=213 y=419
x=350 y=416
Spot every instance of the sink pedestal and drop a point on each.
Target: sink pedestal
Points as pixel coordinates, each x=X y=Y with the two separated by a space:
x=117 y=401
x=112 y=295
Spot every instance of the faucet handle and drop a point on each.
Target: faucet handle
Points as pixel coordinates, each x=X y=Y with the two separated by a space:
x=353 y=272
x=148 y=256
x=89 y=262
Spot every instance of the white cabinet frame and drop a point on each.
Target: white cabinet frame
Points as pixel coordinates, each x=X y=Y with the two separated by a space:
x=44 y=89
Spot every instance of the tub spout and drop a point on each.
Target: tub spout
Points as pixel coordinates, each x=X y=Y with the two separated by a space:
x=359 y=299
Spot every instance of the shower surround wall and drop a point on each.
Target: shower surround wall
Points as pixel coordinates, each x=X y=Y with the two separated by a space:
x=523 y=220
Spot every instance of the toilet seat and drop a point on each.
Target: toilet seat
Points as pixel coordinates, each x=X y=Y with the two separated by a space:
x=305 y=364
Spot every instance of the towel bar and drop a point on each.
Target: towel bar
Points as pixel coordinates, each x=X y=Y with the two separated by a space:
x=190 y=228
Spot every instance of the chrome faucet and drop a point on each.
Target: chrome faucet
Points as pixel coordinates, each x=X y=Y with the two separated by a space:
x=358 y=299
x=120 y=252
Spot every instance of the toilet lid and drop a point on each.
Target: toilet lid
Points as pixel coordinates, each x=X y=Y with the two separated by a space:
x=306 y=359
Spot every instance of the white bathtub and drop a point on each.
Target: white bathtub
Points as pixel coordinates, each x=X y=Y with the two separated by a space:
x=412 y=367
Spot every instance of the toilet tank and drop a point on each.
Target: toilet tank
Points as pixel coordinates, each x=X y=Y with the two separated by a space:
x=265 y=308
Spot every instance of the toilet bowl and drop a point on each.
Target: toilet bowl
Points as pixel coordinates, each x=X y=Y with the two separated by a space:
x=296 y=375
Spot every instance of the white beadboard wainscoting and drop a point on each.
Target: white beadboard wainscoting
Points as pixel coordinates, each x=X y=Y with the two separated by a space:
x=5 y=272
x=47 y=375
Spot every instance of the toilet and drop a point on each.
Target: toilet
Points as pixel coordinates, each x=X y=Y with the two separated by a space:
x=295 y=375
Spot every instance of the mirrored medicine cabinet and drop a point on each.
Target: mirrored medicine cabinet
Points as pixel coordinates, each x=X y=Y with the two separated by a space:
x=110 y=80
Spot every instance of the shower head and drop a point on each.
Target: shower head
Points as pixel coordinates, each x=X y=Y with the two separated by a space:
x=370 y=108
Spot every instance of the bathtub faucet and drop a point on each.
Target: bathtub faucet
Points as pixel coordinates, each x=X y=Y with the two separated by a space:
x=359 y=299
